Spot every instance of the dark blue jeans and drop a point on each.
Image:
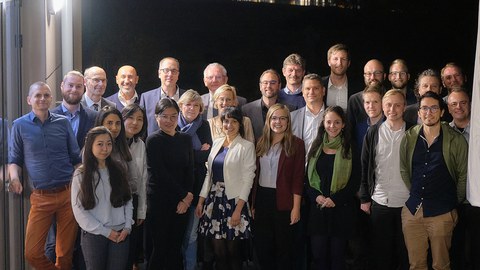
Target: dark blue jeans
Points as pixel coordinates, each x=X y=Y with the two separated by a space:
x=102 y=253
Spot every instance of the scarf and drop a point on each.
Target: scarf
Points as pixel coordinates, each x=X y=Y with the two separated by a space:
x=342 y=168
x=191 y=129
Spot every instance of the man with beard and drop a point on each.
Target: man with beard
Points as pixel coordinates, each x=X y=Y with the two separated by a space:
x=214 y=76
x=433 y=165
x=95 y=85
x=399 y=77
x=452 y=76
x=338 y=86
x=127 y=80
x=82 y=120
x=293 y=70
x=270 y=84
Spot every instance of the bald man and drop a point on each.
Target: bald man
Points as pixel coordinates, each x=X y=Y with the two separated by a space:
x=127 y=80
x=95 y=85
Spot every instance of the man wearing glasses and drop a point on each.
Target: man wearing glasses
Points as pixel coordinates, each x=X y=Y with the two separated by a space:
x=214 y=76
x=399 y=77
x=95 y=85
x=270 y=84
x=168 y=72
x=433 y=165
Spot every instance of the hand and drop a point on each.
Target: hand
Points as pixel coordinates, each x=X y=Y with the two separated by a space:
x=205 y=147
x=320 y=200
x=114 y=236
x=139 y=222
x=235 y=219
x=15 y=186
x=199 y=210
x=188 y=199
x=329 y=203
x=294 y=216
x=182 y=207
x=123 y=235
x=366 y=207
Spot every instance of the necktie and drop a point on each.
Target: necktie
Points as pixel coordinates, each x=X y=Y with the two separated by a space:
x=95 y=107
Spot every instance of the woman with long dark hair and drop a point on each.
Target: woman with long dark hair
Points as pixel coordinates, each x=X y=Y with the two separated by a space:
x=278 y=189
x=332 y=182
x=102 y=204
x=135 y=122
x=170 y=167
x=222 y=204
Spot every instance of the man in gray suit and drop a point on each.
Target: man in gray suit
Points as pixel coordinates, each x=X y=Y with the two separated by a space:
x=306 y=120
x=168 y=72
x=270 y=84
x=95 y=85
x=214 y=76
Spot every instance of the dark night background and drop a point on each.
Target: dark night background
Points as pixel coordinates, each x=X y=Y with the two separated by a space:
x=248 y=38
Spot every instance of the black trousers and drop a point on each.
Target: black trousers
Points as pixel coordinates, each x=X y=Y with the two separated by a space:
x=273 y=232
x=167 y=230
x=388 y=243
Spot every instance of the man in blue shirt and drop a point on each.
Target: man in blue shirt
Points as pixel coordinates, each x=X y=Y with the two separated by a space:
x=45 y=144
x=433 y=165
x=293 y=70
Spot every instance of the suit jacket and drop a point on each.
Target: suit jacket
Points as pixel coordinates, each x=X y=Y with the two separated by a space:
x=298 y=118
x=148 y=101
x=104 y=102
x=290 y=177
x=238 y=168
x=114 y=98
x=206 y=102
x=352 y=88
x=87 y=121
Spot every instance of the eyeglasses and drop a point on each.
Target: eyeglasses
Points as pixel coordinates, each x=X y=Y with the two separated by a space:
x=279 y=118
x=165 y=117
x=432 y=109
x=168 y=70
x=375 y=74
x=217 y=78
x=265 y=83
x=398 y=73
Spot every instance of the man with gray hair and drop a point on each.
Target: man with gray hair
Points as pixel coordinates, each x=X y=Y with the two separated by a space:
x=95 y=85
x=293 y=70
x=214 y=76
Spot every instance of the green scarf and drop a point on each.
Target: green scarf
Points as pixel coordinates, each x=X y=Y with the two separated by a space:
x=342 y=168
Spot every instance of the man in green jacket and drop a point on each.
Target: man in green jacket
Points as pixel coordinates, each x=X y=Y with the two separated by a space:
x=433 y=165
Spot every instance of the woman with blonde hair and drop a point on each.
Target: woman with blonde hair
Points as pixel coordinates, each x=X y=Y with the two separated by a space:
x=226 y=96
x=278 y=189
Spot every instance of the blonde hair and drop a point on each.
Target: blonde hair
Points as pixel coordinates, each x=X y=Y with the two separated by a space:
x=265 y=142
x=189 y=96
x=222 y=89
x=393 y=92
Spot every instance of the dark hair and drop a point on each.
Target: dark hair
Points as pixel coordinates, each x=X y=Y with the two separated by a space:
x=431 y=94
x=128 y=112
x=121 y=141
x=164 y=104
x=313 y=77
x=345 y=135
x=426 y=73
x=120 y=194
x=235 y=113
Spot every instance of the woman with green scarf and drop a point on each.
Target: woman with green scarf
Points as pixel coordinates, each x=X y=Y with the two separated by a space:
x=332 y=183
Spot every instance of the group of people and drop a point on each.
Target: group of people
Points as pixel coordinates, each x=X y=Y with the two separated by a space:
x=305 y=173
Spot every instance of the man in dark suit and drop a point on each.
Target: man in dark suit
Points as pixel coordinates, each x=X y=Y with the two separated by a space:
x=95 y=85
x=168 y=72
x=82 y=120
x=127 y=80
x=214 y=76
x=338 y=87
x=270 y=84
x=399 y=77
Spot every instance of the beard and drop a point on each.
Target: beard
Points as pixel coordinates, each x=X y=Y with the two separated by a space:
x=72 y=100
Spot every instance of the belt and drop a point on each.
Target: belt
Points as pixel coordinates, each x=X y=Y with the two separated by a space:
x=52 y=190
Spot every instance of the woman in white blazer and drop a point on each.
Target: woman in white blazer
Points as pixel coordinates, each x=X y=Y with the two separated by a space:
x=222 y=205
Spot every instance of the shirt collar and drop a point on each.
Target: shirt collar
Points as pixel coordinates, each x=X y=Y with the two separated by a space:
x=65 y=110
x=127 y=102
x=90 y=102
